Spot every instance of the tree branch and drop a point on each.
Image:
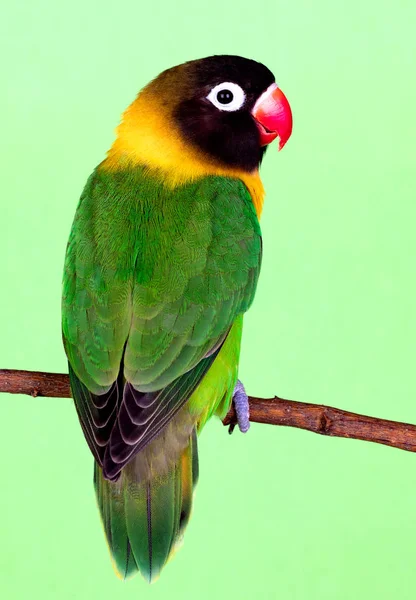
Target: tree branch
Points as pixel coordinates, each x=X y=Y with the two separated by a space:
x=273 y=411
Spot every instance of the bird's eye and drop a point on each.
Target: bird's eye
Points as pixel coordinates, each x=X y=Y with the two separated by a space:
x=227 y=96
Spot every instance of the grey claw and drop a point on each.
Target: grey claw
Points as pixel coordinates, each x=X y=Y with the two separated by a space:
x=241 y=406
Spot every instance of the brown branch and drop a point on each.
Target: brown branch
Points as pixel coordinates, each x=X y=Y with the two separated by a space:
x=330 y=421
x=274 y=411
x=34 y=383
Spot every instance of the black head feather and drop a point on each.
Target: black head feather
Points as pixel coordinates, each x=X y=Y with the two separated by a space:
x=230 y=137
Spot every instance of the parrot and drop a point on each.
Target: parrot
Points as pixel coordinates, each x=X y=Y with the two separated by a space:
x=162 y=262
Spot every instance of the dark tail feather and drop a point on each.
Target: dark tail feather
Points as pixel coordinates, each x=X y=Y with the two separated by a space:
x=144 y=521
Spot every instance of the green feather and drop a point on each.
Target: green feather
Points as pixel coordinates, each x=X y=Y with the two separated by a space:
x=144 y=521
x=155 y=284
x=110 y=499
x=157 y=273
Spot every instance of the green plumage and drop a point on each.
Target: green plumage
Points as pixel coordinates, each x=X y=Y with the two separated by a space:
x=156 y=281
x=149 y=516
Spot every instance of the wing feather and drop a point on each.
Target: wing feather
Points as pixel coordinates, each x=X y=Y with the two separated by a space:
x=154 y=279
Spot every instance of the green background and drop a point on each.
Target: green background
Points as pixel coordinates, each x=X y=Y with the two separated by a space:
x=279 y=513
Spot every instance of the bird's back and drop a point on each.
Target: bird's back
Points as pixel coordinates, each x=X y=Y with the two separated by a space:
x=156 y=282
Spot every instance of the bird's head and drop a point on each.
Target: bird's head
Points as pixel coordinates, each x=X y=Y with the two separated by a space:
x=222 y=111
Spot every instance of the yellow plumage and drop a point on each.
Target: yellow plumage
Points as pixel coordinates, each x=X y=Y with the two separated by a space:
x=147 y=136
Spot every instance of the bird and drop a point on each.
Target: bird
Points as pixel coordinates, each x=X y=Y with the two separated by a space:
x=161 y=264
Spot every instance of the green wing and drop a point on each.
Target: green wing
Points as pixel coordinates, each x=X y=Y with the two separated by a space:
x=154 y=279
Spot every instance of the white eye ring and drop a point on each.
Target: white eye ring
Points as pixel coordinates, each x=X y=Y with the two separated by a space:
x=232 y=103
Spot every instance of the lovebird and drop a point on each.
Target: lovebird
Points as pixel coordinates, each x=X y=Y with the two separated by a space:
x=161 y=264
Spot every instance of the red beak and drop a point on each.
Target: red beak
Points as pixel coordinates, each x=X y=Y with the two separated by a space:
x=273 y=116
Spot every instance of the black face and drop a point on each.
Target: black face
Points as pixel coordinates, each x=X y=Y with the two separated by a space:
x=219 y=121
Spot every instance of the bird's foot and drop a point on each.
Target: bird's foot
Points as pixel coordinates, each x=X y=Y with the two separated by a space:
x=240 y=400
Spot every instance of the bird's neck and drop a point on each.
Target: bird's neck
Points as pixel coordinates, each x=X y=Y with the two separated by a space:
x=147 y=138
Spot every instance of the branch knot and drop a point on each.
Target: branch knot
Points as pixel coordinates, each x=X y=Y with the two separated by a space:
x=325 y=424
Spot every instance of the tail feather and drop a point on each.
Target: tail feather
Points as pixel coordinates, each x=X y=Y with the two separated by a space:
x=110 y=499
x=144 y=521
x=188 y=480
